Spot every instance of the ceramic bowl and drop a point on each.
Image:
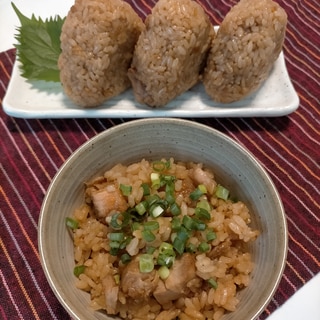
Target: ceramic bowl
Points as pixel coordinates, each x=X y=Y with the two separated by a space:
x=152 y=139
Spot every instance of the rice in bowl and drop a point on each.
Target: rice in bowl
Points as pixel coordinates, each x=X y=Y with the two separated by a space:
x=194 y=234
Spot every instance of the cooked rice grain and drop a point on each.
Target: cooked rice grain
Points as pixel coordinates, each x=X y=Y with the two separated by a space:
x=97 y=42
x=170 y=53
x=247 y=44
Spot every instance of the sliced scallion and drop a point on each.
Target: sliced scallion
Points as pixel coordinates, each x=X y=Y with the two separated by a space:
x=146 y=263
x=175 y=224
x=202 y=213
x=142 y=207
x=164 y=272
x=78 y=270
x=125 y=189
x=211 y=235
x=156 y=210
x=160 y=166
x=116 y=236
x=204 y=204
x=155 y=180
x=222 y=192
x=175 y=209
x=196 y=194
x=213 y=283
x=151 y=225
x=204 y=247
x=125 y=258
x=146 y=189
x=72 y=223
x=148 y=236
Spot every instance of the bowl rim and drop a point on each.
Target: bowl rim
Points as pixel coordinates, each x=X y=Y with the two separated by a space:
x=157 y=121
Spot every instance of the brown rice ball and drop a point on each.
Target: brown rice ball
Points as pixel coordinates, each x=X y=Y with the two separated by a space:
x=247 y=44
x=170 y=53
x=97 y=42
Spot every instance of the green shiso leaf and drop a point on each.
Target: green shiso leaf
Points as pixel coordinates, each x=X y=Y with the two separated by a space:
x=38 y=47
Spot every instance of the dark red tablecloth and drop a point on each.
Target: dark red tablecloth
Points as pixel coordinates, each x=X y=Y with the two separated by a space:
x=31 y=151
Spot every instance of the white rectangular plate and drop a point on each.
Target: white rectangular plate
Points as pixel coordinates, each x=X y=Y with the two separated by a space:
x=40 y=100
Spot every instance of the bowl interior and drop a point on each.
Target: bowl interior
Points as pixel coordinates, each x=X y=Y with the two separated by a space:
x=152 y=139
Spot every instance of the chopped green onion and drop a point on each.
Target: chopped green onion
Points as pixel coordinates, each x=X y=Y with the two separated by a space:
x=150 y=250
x=211 y=235
x=148 y=236
x=146 y=189
x=175 y=209
x=170 y=198
x=78 y=270
x=166 y=255
x=156 y=210
x=202 y=188
x=72 y=223
x=135 y=226
x=222 y=192
x=213 y=283
x=142 y=207
x=114 y=244
x=115 y=219
x=202 y=213
x=146 y=263
x=116 y=236
x=125 y=189
x=151 y=225
x=196 y=194
x=160 y=166
x=179 y=245
x=199 y=225
x=193 y=224
x=125 y=242
x=175 y=224
x=180 y=240
x=152 y=199
x=155 y=180
x=204 y=247
x=116 y=278
x=191 y=247
x=164 y=272
x=188 y=222
x=204 y=204
x=125 y=258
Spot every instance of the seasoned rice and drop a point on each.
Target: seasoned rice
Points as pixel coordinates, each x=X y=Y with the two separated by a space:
x=171 y=52
x=247 y=44
x=97 y=42
x=227 y=262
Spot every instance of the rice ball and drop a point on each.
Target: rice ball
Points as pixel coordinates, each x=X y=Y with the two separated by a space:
x=170 y=52
x=97 y=42
x=247 y=44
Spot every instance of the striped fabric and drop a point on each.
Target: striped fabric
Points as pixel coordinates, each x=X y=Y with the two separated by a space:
x=31 y=151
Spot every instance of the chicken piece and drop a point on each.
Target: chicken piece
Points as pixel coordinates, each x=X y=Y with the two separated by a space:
x=111 y=290
x=203 y=177
x=108 y=200
x=175 y=286
x=136 y=284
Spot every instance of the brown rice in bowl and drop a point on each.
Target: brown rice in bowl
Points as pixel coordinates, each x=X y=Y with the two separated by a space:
x=184 y=141
x=194 y=278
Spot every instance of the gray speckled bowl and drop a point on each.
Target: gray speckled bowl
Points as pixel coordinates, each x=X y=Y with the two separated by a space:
x=184 y=140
